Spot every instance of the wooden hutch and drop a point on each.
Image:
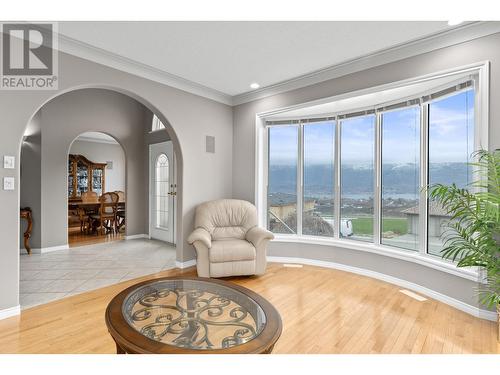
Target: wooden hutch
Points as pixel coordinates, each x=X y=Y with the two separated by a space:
x=84 y=175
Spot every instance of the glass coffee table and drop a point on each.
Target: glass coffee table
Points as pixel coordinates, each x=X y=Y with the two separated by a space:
x=192 y=315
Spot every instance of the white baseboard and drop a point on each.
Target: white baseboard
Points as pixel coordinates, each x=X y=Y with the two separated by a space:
x=187 y=264
x=44 y=250
x=469 y=309
x=11 y=311
x=136 y=236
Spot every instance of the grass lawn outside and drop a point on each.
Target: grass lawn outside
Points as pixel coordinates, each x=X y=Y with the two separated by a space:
x=364 y=225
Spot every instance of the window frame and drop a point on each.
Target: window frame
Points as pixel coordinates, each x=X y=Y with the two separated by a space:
x=157 y=195
x=153 y=121
x=339 y=124
x=423 y=176
x=478 y=73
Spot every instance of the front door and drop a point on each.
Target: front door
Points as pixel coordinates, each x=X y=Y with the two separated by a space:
x=162 y=191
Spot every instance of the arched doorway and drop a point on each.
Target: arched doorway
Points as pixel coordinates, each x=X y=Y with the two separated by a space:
x=96 y=179
x=128 y=121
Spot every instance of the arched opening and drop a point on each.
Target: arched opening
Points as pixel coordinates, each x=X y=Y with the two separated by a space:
x=96 y=189
x=126 y=123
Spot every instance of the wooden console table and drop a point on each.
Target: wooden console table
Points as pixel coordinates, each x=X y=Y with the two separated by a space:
x=26 y=214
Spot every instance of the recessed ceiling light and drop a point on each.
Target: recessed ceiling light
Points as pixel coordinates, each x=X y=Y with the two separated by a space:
x=454 y=22
x=254 y=85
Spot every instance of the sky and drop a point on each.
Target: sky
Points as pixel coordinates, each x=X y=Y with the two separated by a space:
x=451 y=129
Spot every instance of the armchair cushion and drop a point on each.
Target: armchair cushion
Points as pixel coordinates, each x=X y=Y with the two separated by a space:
x=256 y=234
x=200 y=234
x=231 y=251
x=226 y=218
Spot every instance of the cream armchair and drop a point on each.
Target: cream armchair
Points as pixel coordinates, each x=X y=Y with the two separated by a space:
x=227 y=240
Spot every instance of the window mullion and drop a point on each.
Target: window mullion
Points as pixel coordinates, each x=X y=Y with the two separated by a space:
x=336 y=197
x=377 y=196
x=266 y=176
x=424 y=178
x=300 y=178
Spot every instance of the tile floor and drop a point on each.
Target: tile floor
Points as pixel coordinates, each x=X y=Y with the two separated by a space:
x=51 y=276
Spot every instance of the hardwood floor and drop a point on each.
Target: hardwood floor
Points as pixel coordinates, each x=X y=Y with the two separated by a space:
x=77 y=238
x=323 y=311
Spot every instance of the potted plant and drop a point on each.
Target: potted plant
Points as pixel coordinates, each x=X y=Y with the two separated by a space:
x=472 y=236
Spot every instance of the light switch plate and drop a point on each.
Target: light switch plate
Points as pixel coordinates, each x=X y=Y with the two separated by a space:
x=9 y=183
x=9 y=162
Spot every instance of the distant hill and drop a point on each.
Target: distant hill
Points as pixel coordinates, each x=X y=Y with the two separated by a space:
x=397 y=178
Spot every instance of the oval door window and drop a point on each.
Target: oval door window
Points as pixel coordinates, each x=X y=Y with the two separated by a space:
x=161 y=191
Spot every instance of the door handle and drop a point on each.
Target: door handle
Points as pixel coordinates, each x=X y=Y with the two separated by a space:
x=172 y=193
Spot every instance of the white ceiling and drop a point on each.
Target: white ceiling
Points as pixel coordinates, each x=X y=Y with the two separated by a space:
x=228 y=56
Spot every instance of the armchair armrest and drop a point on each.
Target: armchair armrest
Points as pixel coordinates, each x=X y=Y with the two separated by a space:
x=256 y=234
x=202 y=235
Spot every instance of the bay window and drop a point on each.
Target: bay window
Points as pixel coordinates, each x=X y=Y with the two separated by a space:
x=400 y=177
x=357 y=142
x=282 y=181
x=361 y=175
x=451 y=142
x=318 y=178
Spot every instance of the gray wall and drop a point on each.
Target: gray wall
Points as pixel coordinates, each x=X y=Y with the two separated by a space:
x=88 y=110
x=100 y=152
x=186 y=127
x=31 y=166
x=482 y=49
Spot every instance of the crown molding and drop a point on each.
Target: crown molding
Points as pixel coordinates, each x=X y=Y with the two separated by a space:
x=101 y=56
x=96 y=140
x=453 y=36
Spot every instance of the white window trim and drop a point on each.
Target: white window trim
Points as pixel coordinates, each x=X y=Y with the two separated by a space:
x=481 y=69
x=162 y=128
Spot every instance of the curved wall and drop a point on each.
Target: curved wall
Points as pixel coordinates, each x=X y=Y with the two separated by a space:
x=482 y=49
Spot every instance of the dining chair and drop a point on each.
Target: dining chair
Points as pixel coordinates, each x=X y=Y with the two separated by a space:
x=84 y=219
x=106 y=213
x=85 y=212
x=89 y=197
x=120 y=213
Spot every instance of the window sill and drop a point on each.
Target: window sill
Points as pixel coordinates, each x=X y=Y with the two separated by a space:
x=407 y=255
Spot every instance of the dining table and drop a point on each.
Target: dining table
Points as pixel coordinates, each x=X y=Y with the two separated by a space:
x=92 y=206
